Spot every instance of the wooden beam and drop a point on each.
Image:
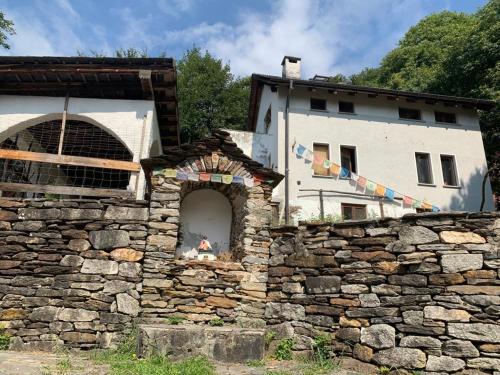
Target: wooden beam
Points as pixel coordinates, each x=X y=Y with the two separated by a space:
x=79 y=161
x=65 y=190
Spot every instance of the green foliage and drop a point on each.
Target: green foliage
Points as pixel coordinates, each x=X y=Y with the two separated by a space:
x=255 y=363
x=284 y=349
x=210 y=97
x=175 y=320
x=216 y=322
x=384 y=370
x=269 y=336
x=6 y=28
x=4 y=338
x=320 y=347
x=277 y=372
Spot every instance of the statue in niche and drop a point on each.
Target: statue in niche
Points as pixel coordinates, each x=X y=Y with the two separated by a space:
x=205 y=251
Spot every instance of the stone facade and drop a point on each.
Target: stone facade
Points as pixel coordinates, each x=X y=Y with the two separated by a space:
x=70 y=271
x=417 y=293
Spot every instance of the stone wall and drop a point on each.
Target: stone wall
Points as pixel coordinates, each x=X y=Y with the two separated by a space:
x=421 y=292
x=70 y=271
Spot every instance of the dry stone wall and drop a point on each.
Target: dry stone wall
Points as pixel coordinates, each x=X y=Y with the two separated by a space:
x=418 y=293
x=70 y=271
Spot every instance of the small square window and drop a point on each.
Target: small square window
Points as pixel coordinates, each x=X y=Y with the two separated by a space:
x=346 y=107
x=348 y=159
x=424 y=170
x=321 y=152
x=353 y=211
x=449 y=170
x=409 y=113
x=318 y=104
x=447 y=117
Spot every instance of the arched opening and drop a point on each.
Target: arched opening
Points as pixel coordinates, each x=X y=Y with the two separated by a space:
x=205 y=212
x=80 y=139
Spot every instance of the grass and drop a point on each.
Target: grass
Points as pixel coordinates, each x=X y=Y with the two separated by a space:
x=255 y=363
x=123 y=361
x=284 y=349
x=269 y=337
x=4 y=338
x=216 y=322
x=175 y=320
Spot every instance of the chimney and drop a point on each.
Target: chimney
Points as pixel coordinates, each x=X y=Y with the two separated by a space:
x=291 y=67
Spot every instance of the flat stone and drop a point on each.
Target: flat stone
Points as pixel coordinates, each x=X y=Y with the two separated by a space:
x=284 y=311
x=162 y=241
x=79 y=245
x=454 y=237
x=71 y=261
x=130 y=269
x=447 y=315
x=407 y=358
x=354 y=232
x=8 y=215
x=117 y=286
x=460 y=348
x=80 y=214
x=101 y=267
x=28 y=226
x=224 y=344
x=12 y=314
x=126 y=254
x=350 y=335
x=223 y=302
x=379 y=336
x=417 y=235
x=109 y=239
x=77 y=315
x=475 y=332
x=461 y=262
x=354 y=289
x=127 y=305
x=292 y=288
x=8 y=264
x=444 y=363
x=369 y=300
x=362 y=352
x=475 y=289
x=420 y=342
x=127 y=213
x=446 y=279
x=484 y=363
x=323 y=284
x=410 y=280
x=79 y=337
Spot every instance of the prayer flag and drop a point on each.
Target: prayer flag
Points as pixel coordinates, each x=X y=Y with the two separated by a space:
x=216 y=178
x=435 y=209
x=215 y=158
x=300 y=150
x=170 y=172
x=181 y=176
x=327 y=163
x=308 y=155
x=426 y=206
x=344 y=172
x=193 y=177
x=227 y=178
x=407 y=201
x=371 y=186
x=205 y=176
x=389 y=194
x=318 y=159
x=354 y=178
x=238 y=180
x=335 y=169
x=157 y=171
x=416 y=204
x=380 y=190
x=361 y=181
x=248 y=182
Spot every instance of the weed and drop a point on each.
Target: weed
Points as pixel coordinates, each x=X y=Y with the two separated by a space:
x=175 y=320
x=64 y=365
x=269 y=337
x=417 y=372
x=284 y=349
x=384 y=370
x=4 y=338
x=255 y=363
x=216 y=322
x=279 y=372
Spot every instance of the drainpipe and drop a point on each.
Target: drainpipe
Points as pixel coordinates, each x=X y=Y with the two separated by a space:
x=287 y=154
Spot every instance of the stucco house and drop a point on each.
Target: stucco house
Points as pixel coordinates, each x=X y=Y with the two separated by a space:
x=78 y=126
x=333 y=142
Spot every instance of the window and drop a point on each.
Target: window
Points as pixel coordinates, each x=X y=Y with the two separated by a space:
x=353 y=211
x=318 y=104
x=424 y=170
x=409 y=113
x=321 y=152
x=450 y=118
x=348 y=159
x=449 y=170
x=267 y=120
x=346 y=107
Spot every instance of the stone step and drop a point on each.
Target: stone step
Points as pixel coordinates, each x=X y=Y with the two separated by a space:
x=225 y=344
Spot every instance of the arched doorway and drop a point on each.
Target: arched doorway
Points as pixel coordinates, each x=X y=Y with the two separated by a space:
x=205 y=212
x=79 y=139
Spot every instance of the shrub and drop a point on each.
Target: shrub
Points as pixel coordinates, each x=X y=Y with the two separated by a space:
x=320 y=350
x=175 y=320
x=284 y=349
x=269 y=337
x=4 y=338
x=216 y=322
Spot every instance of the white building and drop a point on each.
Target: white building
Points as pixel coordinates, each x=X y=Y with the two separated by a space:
x=424 y=146
x=78 y=126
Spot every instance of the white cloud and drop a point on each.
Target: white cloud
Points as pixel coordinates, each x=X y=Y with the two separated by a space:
x=174 y=8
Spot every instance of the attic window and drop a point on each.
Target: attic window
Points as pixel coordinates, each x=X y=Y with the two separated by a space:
x=409 y=114
x=447 y=117
x=318 y=104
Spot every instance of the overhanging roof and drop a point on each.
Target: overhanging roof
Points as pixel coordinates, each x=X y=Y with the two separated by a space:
x=98 y=77
x=258 y=80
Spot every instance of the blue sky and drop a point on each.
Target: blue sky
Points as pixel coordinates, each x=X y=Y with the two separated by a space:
x=331 y=36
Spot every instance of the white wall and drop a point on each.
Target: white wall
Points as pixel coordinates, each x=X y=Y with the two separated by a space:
x=125 y=119
x=205 y=212
x=385 y=148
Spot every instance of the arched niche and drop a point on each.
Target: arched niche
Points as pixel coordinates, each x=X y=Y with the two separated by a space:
x=205 y=212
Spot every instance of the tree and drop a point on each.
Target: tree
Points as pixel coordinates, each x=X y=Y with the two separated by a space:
x=6 y=28
x=209 y=96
